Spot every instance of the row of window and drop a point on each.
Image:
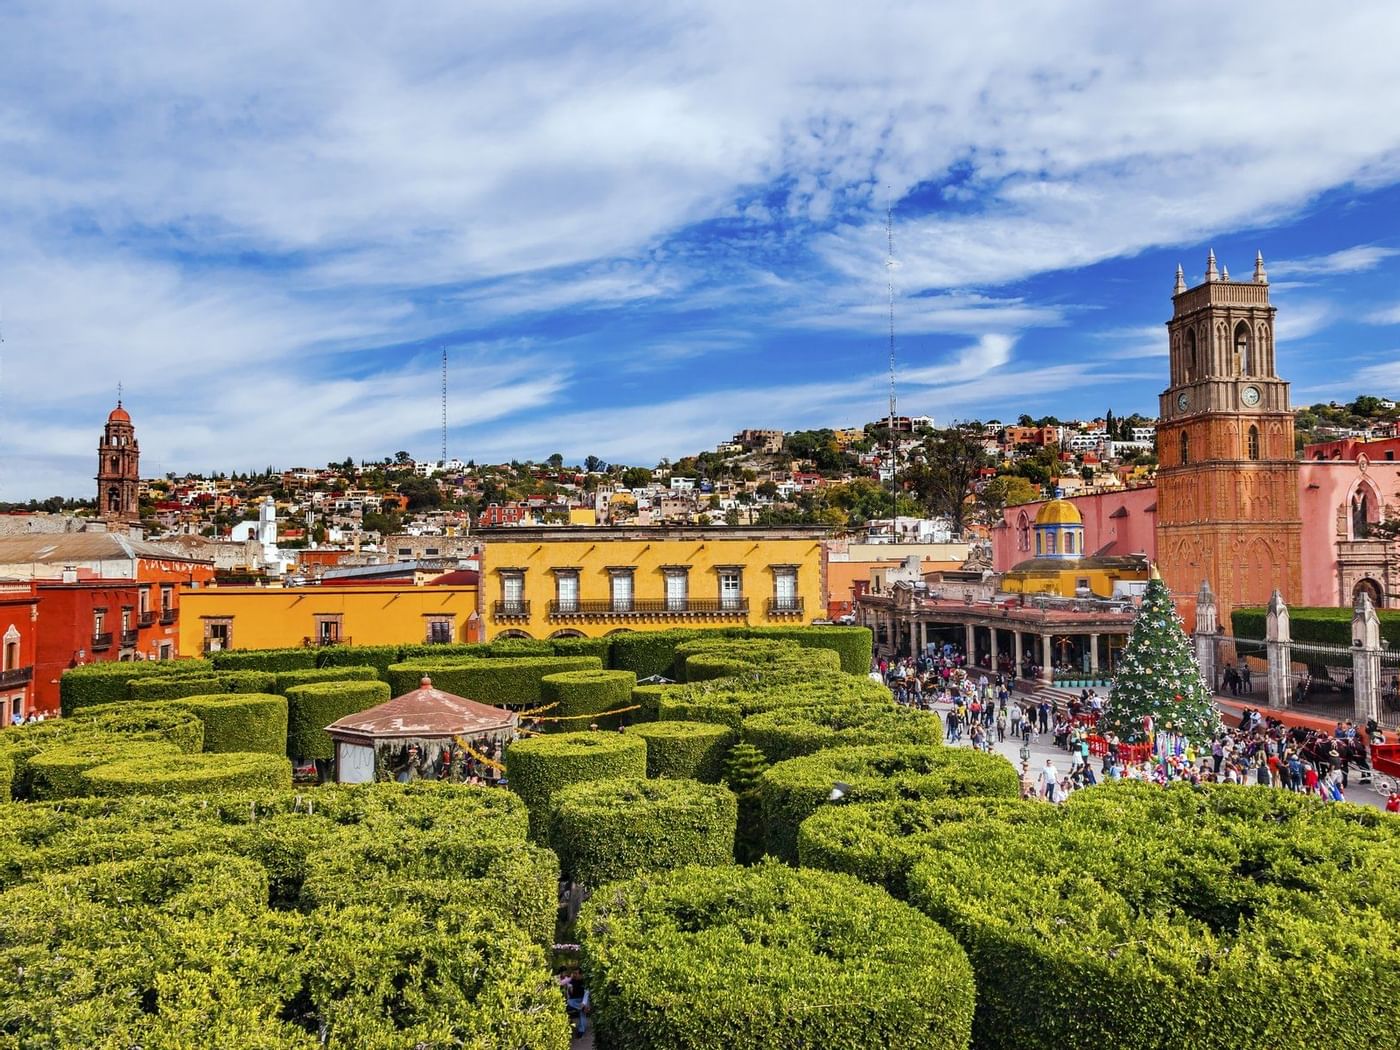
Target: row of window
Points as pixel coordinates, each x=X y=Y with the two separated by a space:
x=1246 y=361
x=729 y=584
x=1048 y=542
x=1251 y=445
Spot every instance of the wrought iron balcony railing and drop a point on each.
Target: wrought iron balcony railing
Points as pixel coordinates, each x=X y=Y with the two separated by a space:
x=101 y=641
x=785 y=607
x=15 y=677
x=518 y=609
x=649 y=608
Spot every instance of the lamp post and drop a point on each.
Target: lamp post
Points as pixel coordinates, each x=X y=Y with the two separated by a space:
x=1025 y=754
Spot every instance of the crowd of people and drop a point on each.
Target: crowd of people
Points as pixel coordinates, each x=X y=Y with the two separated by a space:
x=983 y=710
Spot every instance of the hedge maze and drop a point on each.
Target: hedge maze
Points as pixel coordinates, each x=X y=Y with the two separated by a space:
x=167 y=888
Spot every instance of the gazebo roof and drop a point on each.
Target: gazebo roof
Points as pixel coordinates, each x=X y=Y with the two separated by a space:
x=424 y=713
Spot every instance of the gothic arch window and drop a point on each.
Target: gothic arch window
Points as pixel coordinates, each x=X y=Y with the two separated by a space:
x=1023 y=532
x=114 y=500
x=1371 y=589
x=1185 y=449
x=1190 y=355
x=115 y=462
x=1365 y=511
x=1243 y=358
x=1253 y=443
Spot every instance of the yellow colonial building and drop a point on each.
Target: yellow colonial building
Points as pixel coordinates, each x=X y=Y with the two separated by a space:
x=215 y=618
x=1061 y=566
x=564 y=581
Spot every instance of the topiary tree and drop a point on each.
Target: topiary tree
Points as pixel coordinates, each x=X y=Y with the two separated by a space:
x=1157 y=685
x=241 y=721
x=613 y=829
x=789 y=731
x=189 y=774
x=537 y=767
x=315 y=705
x=59 y=773
x=763 y=957
x=742 y=770
x=581 y=697
x=686 y=750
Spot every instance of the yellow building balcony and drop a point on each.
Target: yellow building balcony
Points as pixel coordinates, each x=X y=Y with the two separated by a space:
x=597 y=611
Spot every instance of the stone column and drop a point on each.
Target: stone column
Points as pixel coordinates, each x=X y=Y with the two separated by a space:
x=971 y=647
x=1207 y=632
x=923 y=637
x=1020 y=653
x=1280 y=652
x=993 y=632
x=1365 y=659
x=1093 y=656
x=1047 y=661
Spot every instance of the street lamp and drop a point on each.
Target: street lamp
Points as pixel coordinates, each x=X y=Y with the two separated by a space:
x=1025 y=753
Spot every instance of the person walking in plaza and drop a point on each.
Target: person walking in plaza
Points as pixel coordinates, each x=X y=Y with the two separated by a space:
x=1045 y=716
x=1001 y=727
x=1015 y=715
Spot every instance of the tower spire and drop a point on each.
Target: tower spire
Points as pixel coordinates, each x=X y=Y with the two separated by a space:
x=1211 y=273
x=1180 y=285
x=119 y=393
x=1224 y=272
x=1260 y=277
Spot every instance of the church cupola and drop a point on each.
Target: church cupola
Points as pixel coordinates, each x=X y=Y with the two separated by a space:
x=119 y=469
x=1059 y=531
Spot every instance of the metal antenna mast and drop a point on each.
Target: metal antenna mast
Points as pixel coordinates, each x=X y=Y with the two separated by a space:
x=444 y=407
x=890 y=265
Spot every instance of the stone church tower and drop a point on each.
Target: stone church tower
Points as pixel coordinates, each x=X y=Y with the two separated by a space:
x=118 y=469
x=1227 y=477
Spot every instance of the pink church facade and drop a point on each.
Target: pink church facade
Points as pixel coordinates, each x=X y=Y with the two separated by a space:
x=1339 y=500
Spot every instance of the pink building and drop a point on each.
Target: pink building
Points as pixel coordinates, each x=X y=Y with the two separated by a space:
x=1115 y=523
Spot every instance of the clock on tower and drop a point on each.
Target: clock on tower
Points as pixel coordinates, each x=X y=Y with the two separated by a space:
x=1227 y=476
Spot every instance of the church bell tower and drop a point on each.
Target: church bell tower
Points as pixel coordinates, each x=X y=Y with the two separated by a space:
x=1227 y=475
x=119 y=470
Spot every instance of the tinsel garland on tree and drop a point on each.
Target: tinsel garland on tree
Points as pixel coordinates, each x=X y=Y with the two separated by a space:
x=1158 y=678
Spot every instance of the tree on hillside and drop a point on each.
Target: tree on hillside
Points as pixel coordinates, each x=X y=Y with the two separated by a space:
x=1007 y=490
x=948 y=462
x=636 y=477
x=593 y=464
x=1157 y=678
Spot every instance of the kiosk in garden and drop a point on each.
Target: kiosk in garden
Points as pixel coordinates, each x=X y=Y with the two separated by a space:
x=417 y=735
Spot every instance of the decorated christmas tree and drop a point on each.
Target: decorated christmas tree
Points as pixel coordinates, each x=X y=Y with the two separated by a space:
x=1157 y=687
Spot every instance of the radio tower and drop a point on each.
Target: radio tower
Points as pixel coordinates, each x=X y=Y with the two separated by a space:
x=444 y=408
x=890 y=265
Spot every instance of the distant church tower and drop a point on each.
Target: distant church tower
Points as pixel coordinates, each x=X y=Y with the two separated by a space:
x=1227 y=476
x=118 y=469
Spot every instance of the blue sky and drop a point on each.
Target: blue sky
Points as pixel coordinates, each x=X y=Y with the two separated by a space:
x=637 y=231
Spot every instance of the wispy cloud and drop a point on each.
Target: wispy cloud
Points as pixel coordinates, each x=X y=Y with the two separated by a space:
x=1356 y=259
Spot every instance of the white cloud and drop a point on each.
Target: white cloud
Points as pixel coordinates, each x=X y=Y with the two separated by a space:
x=1357 y=259
x=227 y=208
x=1388 y=315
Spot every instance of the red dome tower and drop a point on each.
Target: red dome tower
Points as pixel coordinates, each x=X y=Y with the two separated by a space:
x=118 y=469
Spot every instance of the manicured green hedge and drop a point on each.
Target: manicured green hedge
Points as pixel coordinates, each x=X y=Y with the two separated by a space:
x=173 y=687
x=154 y=721
x=312 y=707
x=794 y=790
x=190 y=774
x=722 y=648
x=349 y=673
x=504 y=682
x=59 y=773
x=878 y=842
x=766 y=957
x=580 y=698
x=1214 y=918
x=650 y=653
x=539 y=766
x=7 y=775
x=1313 y=625
x=377 y=656
x=790 y=731
x=686 y=750
x=302 y=659
x=445 y=652
x=438 y=869
x=648 y=699
x=729 y=701
x=106 y=682
x=241 y=721
x=599 y=647
x=613 y=829
x=854 y=644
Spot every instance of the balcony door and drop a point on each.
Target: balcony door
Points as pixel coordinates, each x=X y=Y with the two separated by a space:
x=567 y=588
x=677 y=591
x=730 y=590
x=622 y=592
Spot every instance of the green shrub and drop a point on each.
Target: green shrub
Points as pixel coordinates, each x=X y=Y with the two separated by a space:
x=444 y=652
x=581 y=697
x=648 y=700
x=614 y=829
x=853 y=644
x=741 y=651
x=878 y=842
x=756 y=958
x=649 y=653
x=505 y=682
x=1213 y=918
x=241 y=721
x=312 y=707
x=743 y=772
x=791 y=665
x=173 y=687
x=19 y=744
x=539 y=766
x=7 y=775
x=59 y=773
x=190 y=774
x=599 y=647
x=348 y=673
x=1313 y=625
x=155 y=721
x=794 y=790
x=388 y=977
x=686 y=750
x=729 y=701
x=302 y=659
x=106 y=682
x=377 y=656
x=788 y=732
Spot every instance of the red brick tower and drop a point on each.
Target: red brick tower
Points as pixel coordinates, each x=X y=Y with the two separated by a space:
x=118 y=469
